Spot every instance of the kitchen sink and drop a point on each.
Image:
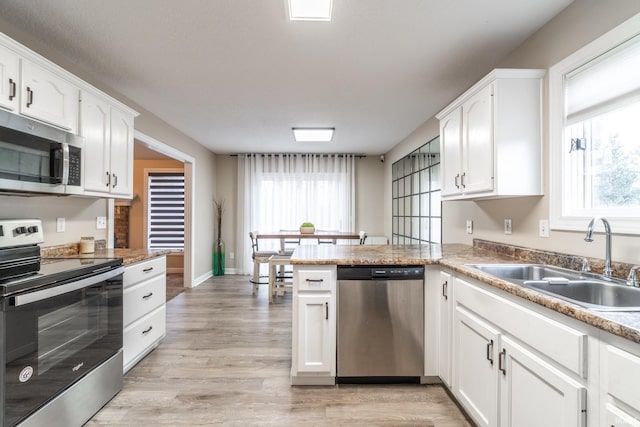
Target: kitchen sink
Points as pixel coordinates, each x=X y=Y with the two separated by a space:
x=585 y=289
x=596 y=294
x=522 y=272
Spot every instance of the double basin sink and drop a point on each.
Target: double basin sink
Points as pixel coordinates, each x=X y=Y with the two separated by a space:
x=588 y=290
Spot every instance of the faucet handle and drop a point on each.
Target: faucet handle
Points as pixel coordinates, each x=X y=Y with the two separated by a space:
x=585 y=266
x=632 y=278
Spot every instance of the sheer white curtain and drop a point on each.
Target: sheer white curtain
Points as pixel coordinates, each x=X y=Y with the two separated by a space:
x=281 y=191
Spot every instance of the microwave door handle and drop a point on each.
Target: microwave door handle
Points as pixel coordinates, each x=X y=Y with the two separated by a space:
x=67 y=287
x=65 y=163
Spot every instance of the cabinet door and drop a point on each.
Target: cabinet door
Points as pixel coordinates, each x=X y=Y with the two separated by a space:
x=616 y=417
x=444 y=330
x=315 y=348
x=9 y=63
x=475 y=371
x=451 y=152
x=95 y=125
x=477 y=141
x=49 y=98
x=121 y=165
x=534 y=393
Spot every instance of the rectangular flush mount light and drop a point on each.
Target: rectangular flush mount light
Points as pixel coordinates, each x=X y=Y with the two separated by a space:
x=313 y=134
x=310 y=10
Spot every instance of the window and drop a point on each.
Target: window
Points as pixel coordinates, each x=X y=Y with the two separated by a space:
x=165 y=212
x=415 y=191
x=595 y=150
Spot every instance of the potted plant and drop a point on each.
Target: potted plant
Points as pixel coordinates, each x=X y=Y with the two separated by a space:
x=218 y=250
x=307 y=228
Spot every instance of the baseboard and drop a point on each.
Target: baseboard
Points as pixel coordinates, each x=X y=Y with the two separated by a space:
x=202 y=278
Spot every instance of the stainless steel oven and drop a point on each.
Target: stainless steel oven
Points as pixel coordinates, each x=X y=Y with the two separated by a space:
x=61 y=351
x=35 y=157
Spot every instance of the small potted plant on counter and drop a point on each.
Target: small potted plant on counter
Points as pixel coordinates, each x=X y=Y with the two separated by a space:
x=307 y=228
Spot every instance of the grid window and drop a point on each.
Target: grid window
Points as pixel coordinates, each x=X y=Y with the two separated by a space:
x=416 y=196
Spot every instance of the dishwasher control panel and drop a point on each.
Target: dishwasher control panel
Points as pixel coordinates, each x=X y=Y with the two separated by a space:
x=390 y=272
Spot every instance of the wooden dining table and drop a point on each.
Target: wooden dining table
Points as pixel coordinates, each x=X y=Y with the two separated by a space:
x=325 y=235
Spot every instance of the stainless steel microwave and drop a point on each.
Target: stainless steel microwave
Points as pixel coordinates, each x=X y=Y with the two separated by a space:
x=38 y=158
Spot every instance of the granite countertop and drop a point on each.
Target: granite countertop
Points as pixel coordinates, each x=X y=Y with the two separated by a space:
x=129 y=256
x=455 y=257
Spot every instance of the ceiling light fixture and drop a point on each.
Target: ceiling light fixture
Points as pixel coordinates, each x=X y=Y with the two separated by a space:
x=310 y=10
x=313 y=134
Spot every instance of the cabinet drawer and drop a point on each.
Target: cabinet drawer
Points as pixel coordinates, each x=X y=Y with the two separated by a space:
x=623 y=371
x=140 y=271
x=143 y=334
x=142 y=298
x=618 y=418
x=315 y=280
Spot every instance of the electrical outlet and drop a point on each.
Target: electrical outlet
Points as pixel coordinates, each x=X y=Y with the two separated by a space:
x=543 y=229
x=232 y=255
x=101 y=222
x=507 y=226
x=60 y=225
x=469 y=226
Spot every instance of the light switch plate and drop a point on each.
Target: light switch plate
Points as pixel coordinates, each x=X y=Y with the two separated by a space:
x=101 y=222
x=60 y=225
x=469 y=226
x=507 y=226
x=544 y=228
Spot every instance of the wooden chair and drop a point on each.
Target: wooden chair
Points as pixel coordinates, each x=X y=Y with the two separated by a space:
x=259 y=257
x=322 y=241
x=287 y=246
x=363 y=237
x=277 y=281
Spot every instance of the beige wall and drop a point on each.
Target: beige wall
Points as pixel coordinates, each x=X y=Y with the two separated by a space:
x=582 y=22
x=147 y=123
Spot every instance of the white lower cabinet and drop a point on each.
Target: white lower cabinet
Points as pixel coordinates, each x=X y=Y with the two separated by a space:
x=500 y=380
x=144 y=300
x=476 y=380
x=314 y=325
x=534 y=393
x=620 y=390
x=445 y=302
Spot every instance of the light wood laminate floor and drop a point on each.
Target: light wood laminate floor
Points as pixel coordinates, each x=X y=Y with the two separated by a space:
x=226 y=361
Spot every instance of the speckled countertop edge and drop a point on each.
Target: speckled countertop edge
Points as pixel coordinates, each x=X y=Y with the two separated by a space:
x=129 y=256
x=456 y=257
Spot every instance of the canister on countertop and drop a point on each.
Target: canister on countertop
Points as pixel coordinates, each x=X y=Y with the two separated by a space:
x=87 y=245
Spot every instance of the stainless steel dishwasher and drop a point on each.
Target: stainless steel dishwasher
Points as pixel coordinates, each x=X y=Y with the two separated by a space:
x=380 y=323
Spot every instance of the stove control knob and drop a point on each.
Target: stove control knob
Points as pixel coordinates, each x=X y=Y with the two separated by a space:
x=21 y=230
x=32 y=229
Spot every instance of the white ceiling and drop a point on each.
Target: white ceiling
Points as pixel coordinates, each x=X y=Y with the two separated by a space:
x=236 y=75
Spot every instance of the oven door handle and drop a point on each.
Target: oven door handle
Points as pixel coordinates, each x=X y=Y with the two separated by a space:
x=67 y=287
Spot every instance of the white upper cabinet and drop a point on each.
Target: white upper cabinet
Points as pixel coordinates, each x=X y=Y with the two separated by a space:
x=9 y=72
x=491 y=138
x=48 y=97
x=108 y=147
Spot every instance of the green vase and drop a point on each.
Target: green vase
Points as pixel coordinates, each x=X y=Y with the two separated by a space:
x=218 y=258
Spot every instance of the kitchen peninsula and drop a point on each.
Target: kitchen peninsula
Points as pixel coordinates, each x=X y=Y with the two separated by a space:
x=490 y=341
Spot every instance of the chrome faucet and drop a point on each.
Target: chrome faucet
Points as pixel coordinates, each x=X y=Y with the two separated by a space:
x=632 y=278
x=589 y=238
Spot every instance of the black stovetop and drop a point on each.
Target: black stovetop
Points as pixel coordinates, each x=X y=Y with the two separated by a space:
x=55 y=270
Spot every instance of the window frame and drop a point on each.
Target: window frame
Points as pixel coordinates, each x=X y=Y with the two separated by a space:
x=559 y=220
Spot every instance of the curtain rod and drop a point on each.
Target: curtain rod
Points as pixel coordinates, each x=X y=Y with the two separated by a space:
x=359 y=156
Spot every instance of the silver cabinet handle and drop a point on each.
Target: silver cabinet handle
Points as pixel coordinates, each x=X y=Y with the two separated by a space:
x=29 y=97
x=315 y=280
x=326 y=311
x=146 y=331
x=147 y=296
x=108 y=179
x=445 y=287
x=115 y=180
x=146 y=270
x=12 y=90
x=490 y=351
x=502 y=362
x=462 y=180
x=456 y=180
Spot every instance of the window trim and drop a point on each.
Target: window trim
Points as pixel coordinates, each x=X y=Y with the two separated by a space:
x=558 y=221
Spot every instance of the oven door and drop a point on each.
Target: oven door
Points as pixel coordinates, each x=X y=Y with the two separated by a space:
x=54 y=336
